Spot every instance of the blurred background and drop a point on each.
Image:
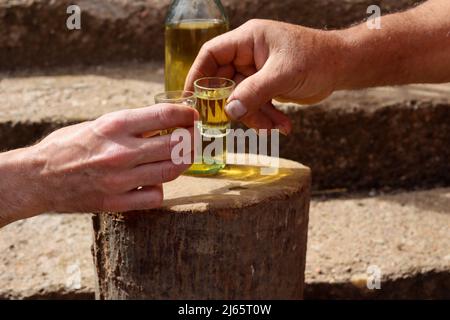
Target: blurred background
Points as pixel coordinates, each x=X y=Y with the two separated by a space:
x=33 y=31
x=380 y=158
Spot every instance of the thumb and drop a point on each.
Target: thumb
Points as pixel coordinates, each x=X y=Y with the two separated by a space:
x=253 y=93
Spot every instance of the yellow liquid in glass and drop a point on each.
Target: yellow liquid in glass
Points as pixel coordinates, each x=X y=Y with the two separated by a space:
x=212 y=110
x=215 y=122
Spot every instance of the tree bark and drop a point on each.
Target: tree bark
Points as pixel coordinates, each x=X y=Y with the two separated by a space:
x=238 y=235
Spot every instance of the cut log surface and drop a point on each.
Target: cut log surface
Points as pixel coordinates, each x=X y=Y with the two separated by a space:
x=238 y=235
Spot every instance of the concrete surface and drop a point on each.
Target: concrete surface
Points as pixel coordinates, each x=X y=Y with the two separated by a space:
x=366 y=139
x=405 y=235
x=47 y=257
x=34 y=33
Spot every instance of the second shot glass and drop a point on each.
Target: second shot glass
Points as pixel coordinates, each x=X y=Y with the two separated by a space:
x=186 y=98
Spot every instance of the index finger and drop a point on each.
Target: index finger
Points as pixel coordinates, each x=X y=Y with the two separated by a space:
x=218 y=52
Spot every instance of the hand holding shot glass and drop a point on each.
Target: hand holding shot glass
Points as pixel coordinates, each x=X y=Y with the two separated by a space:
x=186 y=98
x=210 y=98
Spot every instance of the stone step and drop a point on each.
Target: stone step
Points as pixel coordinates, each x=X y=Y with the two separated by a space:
x=34 y=33
x=377 y=138
x=392 y=137
x=405 y=235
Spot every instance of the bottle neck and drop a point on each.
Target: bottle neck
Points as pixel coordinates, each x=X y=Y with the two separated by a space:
x=182 y=10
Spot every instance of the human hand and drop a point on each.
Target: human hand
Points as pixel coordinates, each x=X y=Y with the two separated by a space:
x=270 y=60
x=95 y=166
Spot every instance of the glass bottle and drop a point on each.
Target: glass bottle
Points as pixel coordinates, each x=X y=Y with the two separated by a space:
x=189 y=24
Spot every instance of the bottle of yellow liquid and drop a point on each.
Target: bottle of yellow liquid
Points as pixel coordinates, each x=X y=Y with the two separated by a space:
x=189 y=24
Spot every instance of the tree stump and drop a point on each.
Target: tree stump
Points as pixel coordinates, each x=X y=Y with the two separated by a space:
x=237 y=235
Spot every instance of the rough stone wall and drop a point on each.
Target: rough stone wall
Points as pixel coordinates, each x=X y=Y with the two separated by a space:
x=33 y=33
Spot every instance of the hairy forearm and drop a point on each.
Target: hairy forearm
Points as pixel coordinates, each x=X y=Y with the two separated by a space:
x=21 y=196
x=410 y=47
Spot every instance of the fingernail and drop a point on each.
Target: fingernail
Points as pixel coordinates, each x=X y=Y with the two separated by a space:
x=235 y=109
x=283 y=130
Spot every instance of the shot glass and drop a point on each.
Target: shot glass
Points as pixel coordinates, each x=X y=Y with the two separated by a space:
x=212 y=94
x=186 y=98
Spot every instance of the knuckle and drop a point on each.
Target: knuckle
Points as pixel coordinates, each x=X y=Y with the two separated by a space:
x=171 y=110
x=111 y=184
x=115 y=157
x=252 y=90
x=154 y=200
x=168 y=146
x=207 y=51
x=103 y=204
x=158 y=197
x=207 y=46
x=112 y=203
x=253 y=23
x=169 y=172
x=112 y=122
x=170 y=114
